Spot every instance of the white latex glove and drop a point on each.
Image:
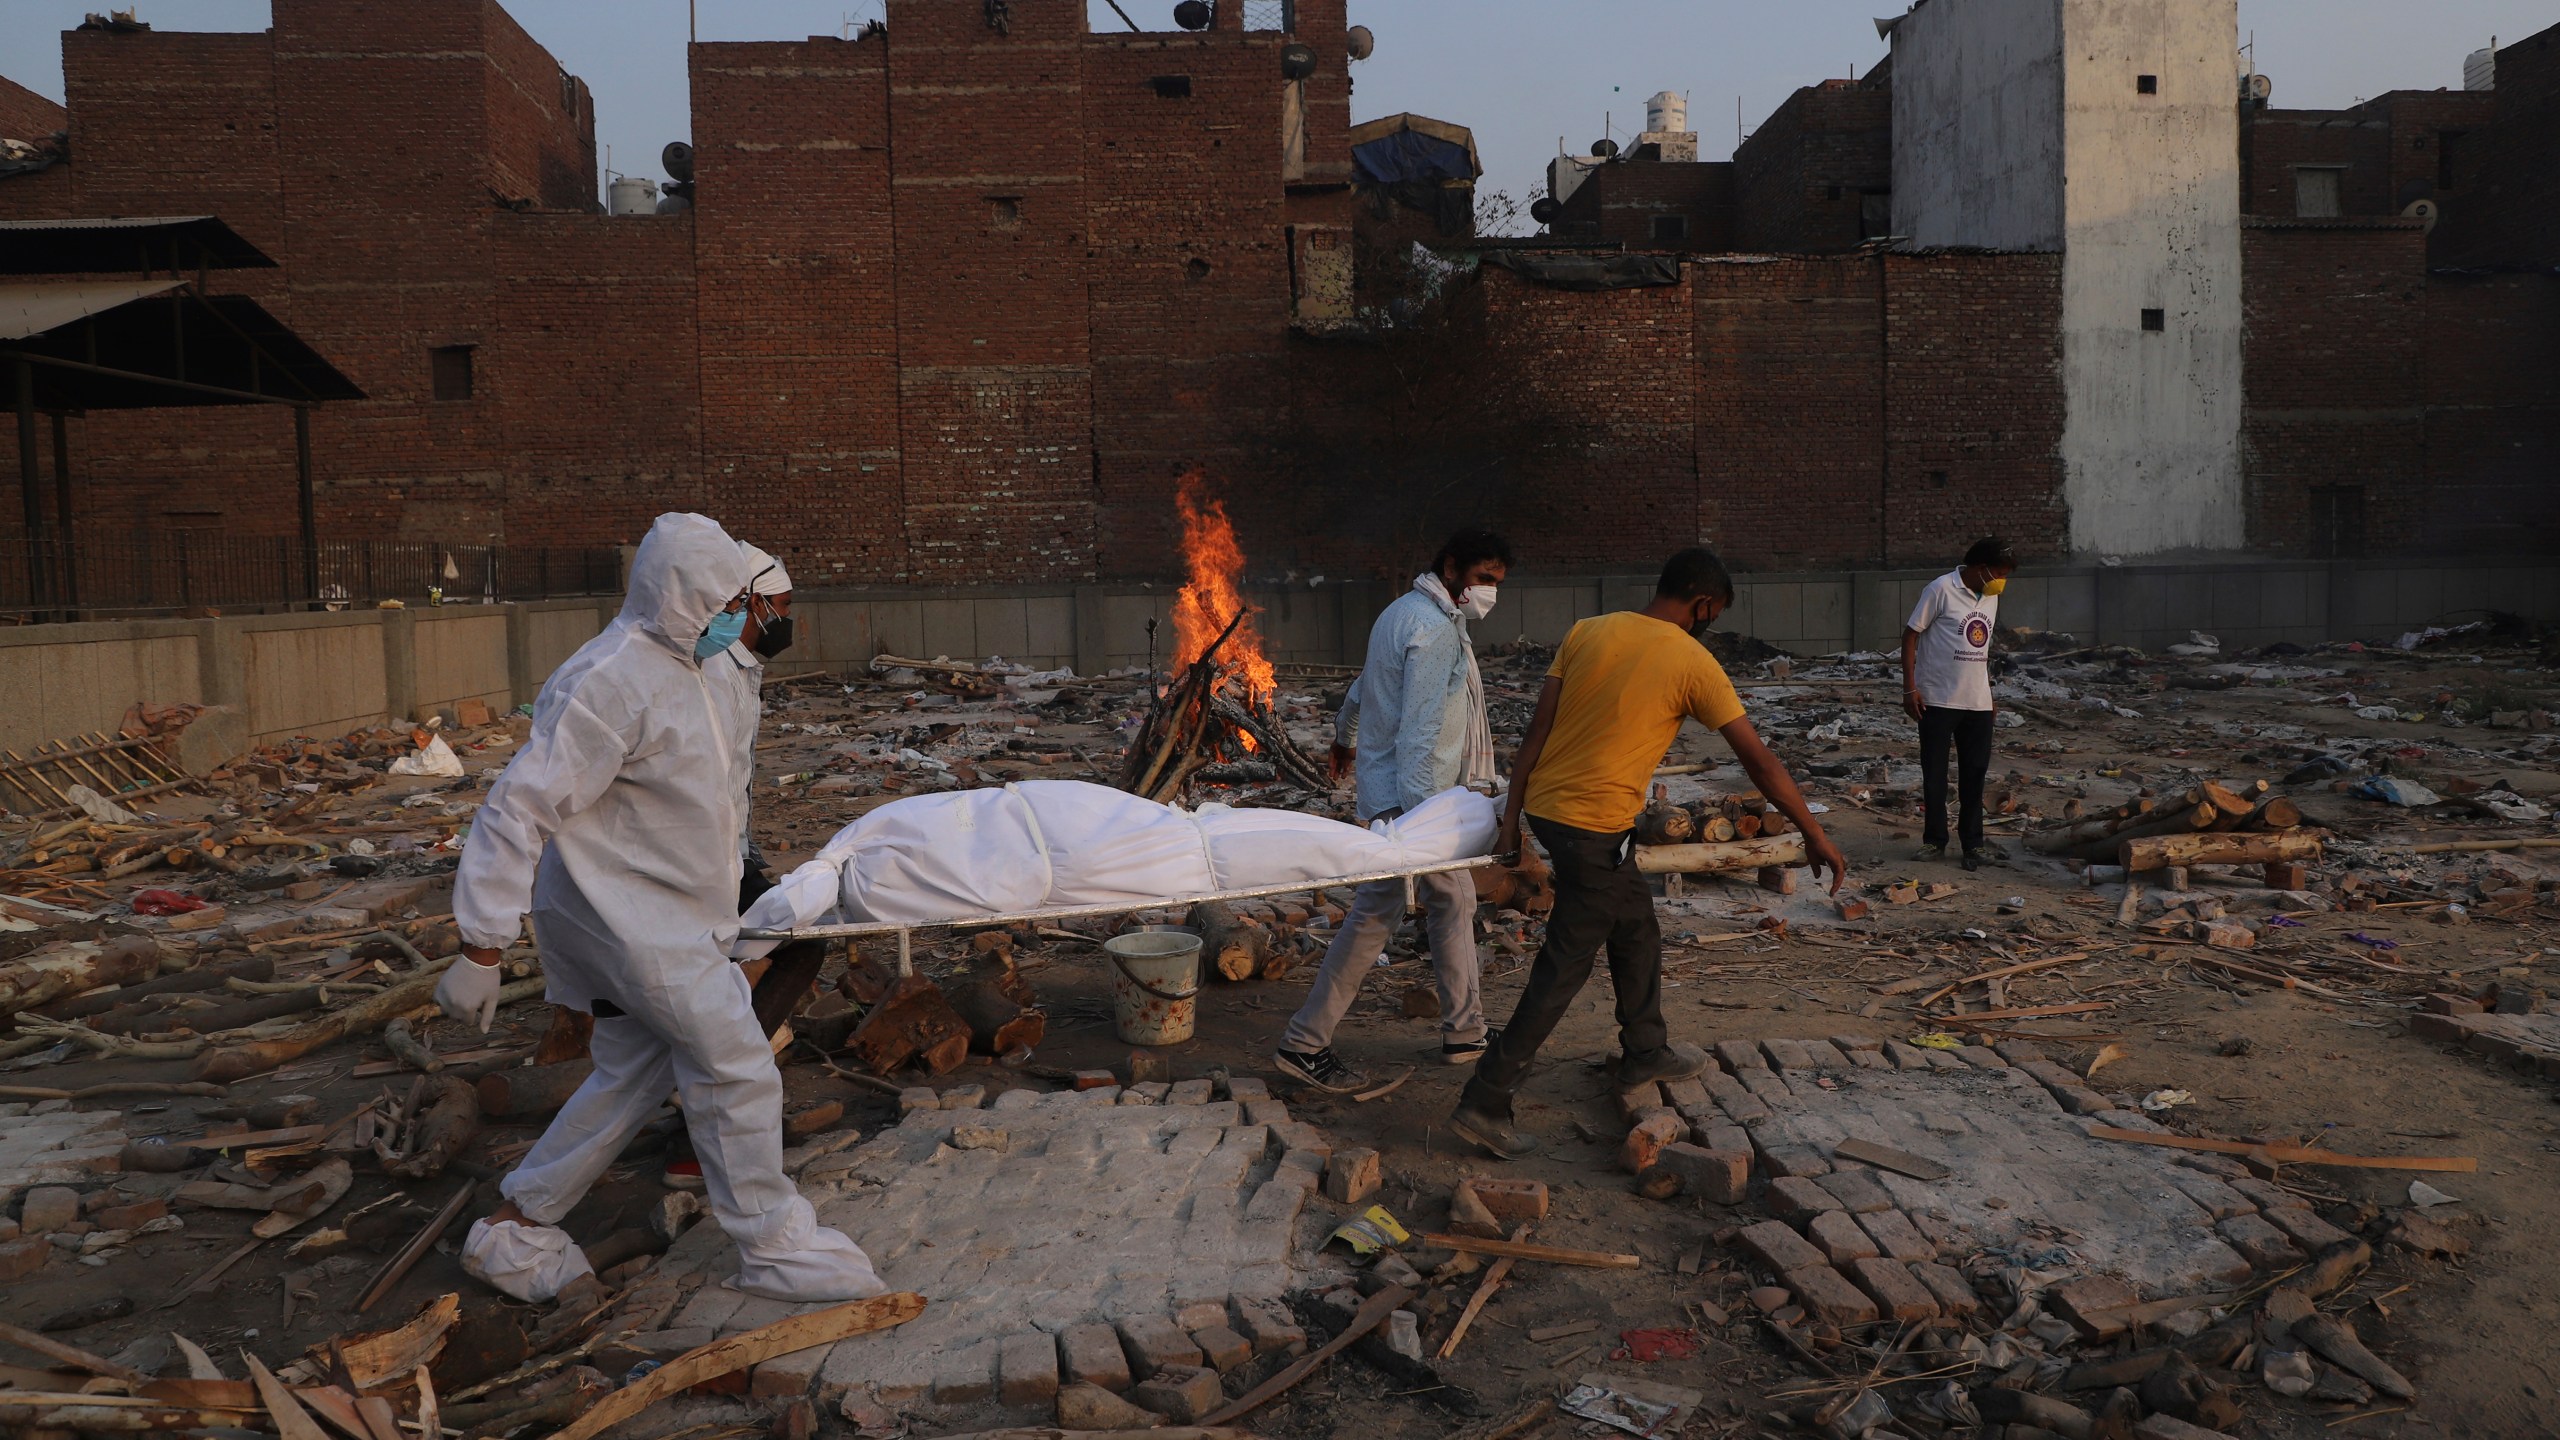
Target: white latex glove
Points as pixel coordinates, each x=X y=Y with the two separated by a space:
x=469 y=992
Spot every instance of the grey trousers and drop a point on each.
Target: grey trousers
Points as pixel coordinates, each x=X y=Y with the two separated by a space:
x=1377 y=908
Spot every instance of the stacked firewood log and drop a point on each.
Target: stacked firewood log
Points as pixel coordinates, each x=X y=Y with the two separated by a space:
x=2212 y=824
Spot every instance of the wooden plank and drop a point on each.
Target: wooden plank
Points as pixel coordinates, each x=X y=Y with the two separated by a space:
x=70 y=1355
x=1598 y=1259
x=2030 y=1012
x=2003 y=973
x=2292 y=1154
x=389 y=1275
x=1493 y=1278
x=723 y=1357
x=292 y=1422
x=1885 y=1157
x=1372 y=1313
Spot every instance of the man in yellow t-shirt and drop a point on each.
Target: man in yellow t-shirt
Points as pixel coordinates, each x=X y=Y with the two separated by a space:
x=1614 y=699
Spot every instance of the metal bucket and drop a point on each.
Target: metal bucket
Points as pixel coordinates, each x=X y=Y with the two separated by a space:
x=1155 y=985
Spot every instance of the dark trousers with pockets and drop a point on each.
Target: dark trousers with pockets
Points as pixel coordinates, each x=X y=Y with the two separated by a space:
x=1971 y=732
x=1601 y=900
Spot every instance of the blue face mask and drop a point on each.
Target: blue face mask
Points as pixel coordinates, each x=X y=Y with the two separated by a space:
x=724 y=631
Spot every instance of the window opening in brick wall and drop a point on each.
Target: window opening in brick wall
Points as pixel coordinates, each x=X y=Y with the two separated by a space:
x=1938 y=479
x=2146 y=84
x=1875 y=213
x=1171 y=87
x=2337 y=522
x=1671 y=227
x=1270 y=14
x=449 y=367
x=2155 y=319
x=2448 y=154
x=1005 y=211
x=2317 y=191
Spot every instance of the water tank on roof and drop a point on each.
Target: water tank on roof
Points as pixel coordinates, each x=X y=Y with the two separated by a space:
x=1666 y=114
x=631 y=195
x=2480 y=69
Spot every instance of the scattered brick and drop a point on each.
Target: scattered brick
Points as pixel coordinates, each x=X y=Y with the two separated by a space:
x=1186 y=1092
x=1949 y=1288
x=1840 y=1237
x=1513 y=1202
x=1857 y=1190
x=1180 y=1393
x=1027 y=1370
x=1777 y=1247
x=23 y=1257
x=1740 y=1055
x=2304 y=1228
x=1092 y=1355
x=2094 y=1304
x=1824 y=1292
x=1900 y=1296
x=1896 y=1236
x=1793 y=1198
x=48 y=1208
x=1351 y=1176
x=1787 y=1054
x=1653 y=1130
x=1270 y=1326
x=1154 y=1342
x=1723 y=1176
x=1224 y=1348
x=2261 y=1244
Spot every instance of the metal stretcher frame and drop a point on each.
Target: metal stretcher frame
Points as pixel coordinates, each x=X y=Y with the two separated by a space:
x=905 y=930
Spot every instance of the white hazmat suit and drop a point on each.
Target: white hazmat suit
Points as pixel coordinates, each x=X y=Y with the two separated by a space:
x=616 y=828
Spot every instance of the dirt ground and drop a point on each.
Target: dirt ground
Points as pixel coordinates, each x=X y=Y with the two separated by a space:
x=2326 y=1059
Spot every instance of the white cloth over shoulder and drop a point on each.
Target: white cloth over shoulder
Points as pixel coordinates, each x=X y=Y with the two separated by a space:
x=1048 y=844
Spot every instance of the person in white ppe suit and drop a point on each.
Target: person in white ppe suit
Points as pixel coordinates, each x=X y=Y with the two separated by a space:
x=616 y=828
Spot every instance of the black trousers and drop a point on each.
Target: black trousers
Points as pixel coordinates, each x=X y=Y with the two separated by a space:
x=1971 y=732
x=790 y=973
x=1601 y=900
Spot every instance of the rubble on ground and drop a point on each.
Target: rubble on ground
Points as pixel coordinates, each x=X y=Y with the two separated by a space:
x=232 y=1125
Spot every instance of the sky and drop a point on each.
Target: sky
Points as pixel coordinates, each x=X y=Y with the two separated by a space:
x=1521 y=75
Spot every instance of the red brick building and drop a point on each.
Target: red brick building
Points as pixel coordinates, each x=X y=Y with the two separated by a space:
x=957 y=301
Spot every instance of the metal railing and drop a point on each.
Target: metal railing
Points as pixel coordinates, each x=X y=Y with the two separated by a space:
x=171 y=571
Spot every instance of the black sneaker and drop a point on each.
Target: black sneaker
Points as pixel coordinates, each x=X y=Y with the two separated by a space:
x=1973 y=860
x=1321 y=1070
x=1468 y=1052
x=1492 y=1132
x=1676 y=1061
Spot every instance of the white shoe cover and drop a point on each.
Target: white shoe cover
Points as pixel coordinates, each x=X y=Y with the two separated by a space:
x=529 y=1262
x=828 y=1267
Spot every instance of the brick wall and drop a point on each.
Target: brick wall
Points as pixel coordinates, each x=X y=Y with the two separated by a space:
x=1620 y=202
x=1801 y=178
x=2513 y=217
x=798 y=289
x=1974 y=394
x=2332 y=365
x=1790 y=404
x=2491 y=346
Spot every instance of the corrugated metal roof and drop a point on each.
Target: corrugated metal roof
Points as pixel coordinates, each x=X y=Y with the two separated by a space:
x=32 y=309
x=104 y=244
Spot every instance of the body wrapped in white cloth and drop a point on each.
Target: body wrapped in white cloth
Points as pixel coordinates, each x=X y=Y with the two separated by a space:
x=1052 y=844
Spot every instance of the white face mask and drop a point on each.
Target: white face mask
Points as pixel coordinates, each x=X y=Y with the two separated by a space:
x=1477 y=602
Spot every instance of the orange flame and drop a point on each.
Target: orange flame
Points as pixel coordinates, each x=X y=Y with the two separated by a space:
x=1210 y=597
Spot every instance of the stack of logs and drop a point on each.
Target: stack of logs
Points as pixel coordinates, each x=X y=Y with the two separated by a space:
x=1718 y=836
x=904 y=1020
x=1250 y=940
x=1196 y=723
x=2211 y=824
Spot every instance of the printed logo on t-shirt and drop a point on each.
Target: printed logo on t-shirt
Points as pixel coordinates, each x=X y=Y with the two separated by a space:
x=1977 y=632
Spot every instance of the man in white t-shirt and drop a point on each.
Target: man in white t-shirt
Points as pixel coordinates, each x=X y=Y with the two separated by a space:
x=1946 y=687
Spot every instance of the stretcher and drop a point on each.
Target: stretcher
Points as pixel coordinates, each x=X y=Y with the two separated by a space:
x=905 y=929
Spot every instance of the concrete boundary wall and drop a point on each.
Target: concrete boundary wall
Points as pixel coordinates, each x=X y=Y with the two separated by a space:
x=274 y=676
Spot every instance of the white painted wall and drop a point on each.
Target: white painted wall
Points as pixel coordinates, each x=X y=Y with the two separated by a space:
x=2020 y=125
x=1977 y=124
x=2151 y=437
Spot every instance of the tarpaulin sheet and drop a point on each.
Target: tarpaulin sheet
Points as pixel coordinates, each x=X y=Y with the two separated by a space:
x=1411 y=155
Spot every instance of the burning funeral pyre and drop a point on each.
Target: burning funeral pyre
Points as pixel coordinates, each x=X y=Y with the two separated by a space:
x=1216 y=706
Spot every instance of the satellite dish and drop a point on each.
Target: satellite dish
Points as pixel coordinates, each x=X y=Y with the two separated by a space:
x=1605 y=149
x=677 y=160
x=1544 y=209
x=2257 y=87
x=1362 y=44
x=1297 y=61
x=1193 y=14
x=2426 y=211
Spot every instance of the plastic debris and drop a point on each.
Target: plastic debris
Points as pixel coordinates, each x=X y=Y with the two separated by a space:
x=2392 y=790
x=1371 y=1231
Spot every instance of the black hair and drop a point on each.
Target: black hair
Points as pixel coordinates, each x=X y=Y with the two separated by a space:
x=1992 y=553
x=1692 y=574
x=1472 y=546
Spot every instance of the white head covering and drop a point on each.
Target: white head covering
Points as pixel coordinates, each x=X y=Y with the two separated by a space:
x=770 y=577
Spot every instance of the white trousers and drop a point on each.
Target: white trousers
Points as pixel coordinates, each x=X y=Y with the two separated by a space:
x=697 y=1032
x=1377 y=908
